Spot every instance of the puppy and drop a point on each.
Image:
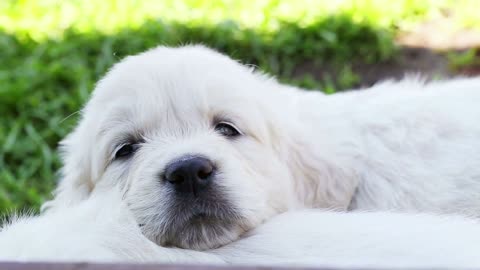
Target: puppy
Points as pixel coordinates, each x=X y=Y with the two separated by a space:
x=206 y=149
x=103 y=229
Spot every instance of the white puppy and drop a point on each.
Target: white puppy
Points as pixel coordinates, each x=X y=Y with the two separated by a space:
x=102 y=229
x=206 y=149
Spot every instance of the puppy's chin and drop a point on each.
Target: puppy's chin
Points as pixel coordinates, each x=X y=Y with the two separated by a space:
x=198 y=223
x=201 y=233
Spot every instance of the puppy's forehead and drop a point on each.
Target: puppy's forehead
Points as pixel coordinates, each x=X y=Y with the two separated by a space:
x=176 y=83
x=165 y=72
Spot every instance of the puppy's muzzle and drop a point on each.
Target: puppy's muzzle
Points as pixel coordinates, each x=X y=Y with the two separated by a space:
x=190 y=175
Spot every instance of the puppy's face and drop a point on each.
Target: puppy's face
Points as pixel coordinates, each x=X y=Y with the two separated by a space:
x=191 y=138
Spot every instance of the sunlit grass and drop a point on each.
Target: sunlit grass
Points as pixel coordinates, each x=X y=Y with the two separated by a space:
x=49 y=18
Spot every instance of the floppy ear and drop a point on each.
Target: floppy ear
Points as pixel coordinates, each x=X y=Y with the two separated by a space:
x=75 y=176
x=323 y=168
x=323 y=176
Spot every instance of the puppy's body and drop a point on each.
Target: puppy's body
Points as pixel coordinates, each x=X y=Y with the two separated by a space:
x=376 y=240
x=267 y=148
x=404 y=145
x=102 y=229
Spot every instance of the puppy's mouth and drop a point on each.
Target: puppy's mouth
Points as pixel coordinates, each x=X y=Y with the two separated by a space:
x=195 y=224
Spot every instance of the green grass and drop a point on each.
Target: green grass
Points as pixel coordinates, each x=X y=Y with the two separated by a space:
x=52 y=52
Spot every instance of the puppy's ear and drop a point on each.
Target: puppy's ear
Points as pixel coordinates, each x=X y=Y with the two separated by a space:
x=323 y=176
x=75 y=176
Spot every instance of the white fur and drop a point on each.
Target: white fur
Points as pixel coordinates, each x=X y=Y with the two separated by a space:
x=102 y=229
x=406 y=146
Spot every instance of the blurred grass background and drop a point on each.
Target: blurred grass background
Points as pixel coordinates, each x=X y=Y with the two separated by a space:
x=53 y=51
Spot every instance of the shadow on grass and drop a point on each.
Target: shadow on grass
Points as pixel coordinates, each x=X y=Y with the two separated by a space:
x=44 y=82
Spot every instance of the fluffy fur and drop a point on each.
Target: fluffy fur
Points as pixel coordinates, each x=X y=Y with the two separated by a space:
x=102 y=229
x=406 y=146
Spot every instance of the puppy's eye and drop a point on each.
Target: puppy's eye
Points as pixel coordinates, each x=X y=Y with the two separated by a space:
x=126 y=150
x=227 y=129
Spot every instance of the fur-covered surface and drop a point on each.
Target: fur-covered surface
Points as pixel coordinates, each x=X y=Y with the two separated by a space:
x=103 y=229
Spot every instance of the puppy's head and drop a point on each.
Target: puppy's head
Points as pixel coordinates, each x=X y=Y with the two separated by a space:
x=187 y=133
x=196 y=140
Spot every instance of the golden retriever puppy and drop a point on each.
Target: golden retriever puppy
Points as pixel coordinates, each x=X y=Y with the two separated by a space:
x=207 y=149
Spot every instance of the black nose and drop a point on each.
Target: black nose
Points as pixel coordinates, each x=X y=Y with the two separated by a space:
x=191 y=174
